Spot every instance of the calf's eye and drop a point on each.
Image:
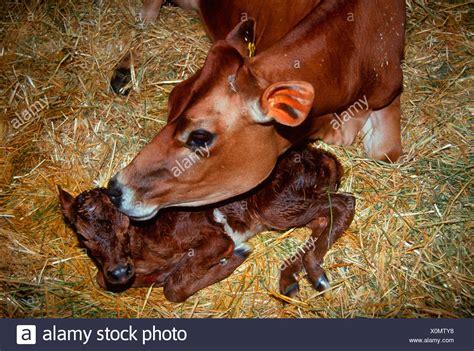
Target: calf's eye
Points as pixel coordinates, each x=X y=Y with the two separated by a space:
x=200 y=138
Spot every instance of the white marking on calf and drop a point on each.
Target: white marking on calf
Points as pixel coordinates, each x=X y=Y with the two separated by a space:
x=237 y=237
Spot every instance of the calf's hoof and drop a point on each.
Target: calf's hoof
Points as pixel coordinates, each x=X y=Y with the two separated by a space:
x=321 y=283
x=121 y=81
x=243 y=250
x=290 y=290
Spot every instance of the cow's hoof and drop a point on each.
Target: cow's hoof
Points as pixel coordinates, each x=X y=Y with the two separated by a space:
x=121 y=81
x=322 y=283
x=243 y=250
x=291 y=290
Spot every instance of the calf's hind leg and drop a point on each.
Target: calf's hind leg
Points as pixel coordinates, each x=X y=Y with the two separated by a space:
x=333 y=215
x=291 y=267
x=339 y=210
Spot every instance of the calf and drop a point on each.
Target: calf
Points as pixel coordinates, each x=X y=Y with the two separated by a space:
x=187 y=250
x=335 y=74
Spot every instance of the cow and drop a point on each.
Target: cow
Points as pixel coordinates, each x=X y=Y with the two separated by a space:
x=335 y=74
x=185 y=250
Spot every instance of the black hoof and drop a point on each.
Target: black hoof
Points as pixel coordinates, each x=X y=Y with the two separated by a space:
x=291 y=290
x=243 y=251
x=120 y=82
x=322 y=283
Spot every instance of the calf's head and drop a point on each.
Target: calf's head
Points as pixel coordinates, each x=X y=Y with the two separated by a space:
x=103 y=230
x=220 y=139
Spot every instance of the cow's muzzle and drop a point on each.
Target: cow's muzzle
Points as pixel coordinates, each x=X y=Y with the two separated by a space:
x=123 y=198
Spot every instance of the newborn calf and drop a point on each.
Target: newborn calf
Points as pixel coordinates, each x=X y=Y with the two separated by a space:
x=187 y=250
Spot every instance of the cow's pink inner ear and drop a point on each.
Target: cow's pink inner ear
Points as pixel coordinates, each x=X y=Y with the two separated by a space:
x=289 y=103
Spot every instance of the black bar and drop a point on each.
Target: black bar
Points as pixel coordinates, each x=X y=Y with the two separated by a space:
x=240 y=334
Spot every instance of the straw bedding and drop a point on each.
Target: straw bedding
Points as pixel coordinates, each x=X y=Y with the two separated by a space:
x=409 y=252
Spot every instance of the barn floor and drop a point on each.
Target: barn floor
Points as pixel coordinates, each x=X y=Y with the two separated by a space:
x=409 y=252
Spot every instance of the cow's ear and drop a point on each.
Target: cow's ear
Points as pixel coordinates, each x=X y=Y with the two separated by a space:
x=181 y=95
x=66 y=200
x=242 y=37
x=288 y=103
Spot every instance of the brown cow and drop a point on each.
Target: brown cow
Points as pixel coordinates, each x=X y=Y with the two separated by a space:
x=336 y=73
x=187 y=250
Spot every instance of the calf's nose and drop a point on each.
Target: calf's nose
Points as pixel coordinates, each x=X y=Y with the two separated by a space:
x=121 y=273
x=114 y=191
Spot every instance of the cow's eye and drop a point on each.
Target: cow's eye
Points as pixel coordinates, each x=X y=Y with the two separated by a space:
x=199 y=138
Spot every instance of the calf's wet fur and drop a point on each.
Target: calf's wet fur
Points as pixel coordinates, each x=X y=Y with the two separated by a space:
x=186 y=250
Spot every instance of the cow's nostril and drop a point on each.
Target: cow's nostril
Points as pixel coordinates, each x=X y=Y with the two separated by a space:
x=114 y=191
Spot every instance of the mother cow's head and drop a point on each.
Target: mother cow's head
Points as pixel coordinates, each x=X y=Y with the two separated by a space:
x=221 y=138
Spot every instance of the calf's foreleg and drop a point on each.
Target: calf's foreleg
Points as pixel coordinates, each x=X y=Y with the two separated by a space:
x=209 y=263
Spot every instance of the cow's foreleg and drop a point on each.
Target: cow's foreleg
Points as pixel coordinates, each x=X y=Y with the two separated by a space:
x=150 y=10
x=122 y=78
x=121 y=81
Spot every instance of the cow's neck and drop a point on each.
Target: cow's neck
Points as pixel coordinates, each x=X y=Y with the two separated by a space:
x=309 y=53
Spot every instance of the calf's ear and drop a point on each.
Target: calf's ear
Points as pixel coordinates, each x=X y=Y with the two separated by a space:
x=242 y=37
x=288 y=103
x=100 y=279
x=66 y=200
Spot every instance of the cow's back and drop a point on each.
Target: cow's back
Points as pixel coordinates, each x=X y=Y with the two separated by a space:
x=274 y=18
x=346 y=49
